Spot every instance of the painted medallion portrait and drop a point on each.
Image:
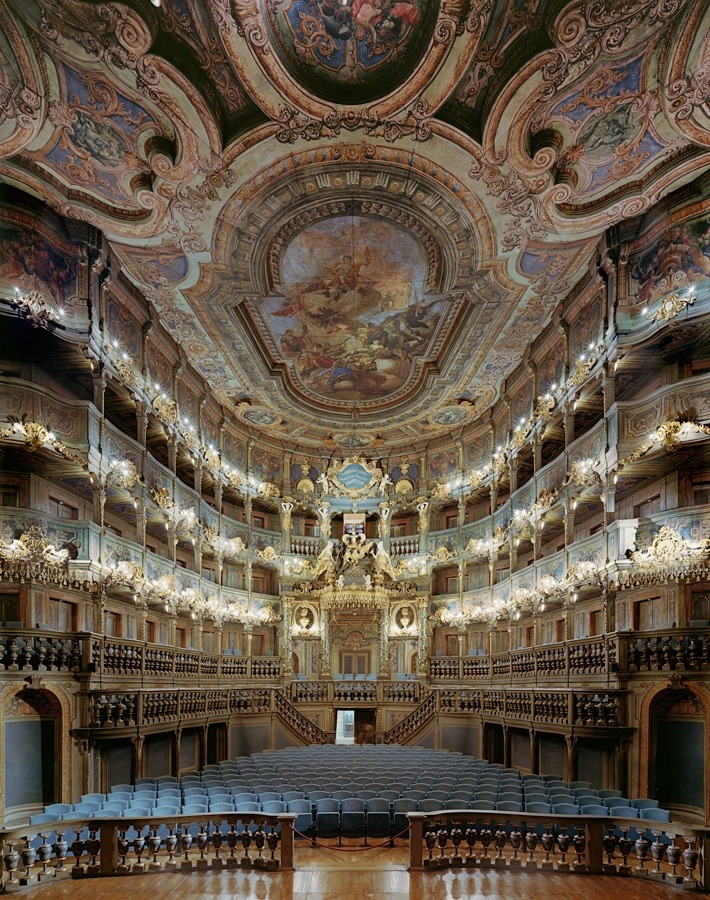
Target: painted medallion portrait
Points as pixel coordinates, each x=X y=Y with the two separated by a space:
x=353 y=317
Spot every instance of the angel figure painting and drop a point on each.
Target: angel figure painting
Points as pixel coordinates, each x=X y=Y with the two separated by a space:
x=354 y=316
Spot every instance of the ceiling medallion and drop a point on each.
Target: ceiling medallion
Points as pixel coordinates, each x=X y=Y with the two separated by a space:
x=352 y=440
x=450 y=415
x=259 y=416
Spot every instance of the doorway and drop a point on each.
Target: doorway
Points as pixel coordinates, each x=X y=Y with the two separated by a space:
x=355 y=662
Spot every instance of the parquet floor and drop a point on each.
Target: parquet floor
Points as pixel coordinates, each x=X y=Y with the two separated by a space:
x=325 y=874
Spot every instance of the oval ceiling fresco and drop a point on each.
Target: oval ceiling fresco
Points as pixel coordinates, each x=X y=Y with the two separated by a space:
x=351 y=51
x=354 y=317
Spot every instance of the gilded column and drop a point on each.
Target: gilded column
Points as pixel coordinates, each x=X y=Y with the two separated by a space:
x=286 y=639
x=423 y=645
x=384 y=642
x=324 y=642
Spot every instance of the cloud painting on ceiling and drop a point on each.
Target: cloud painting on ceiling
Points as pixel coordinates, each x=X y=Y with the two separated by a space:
x=353 y=317
x=353 y=43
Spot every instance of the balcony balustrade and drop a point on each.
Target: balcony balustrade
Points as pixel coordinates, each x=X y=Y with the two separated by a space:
x=354 y=692
x=585 y=657
x=662 y=852
x=404 y=546
x=132 y=846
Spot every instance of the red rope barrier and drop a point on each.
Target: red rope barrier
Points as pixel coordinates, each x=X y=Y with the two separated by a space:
x=352 y=849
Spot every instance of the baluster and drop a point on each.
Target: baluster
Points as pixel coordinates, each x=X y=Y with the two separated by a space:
x=563 y=841
x=430 y=841
x=501 y=838
x=60 y=852
x=29 y=857
x=531 y=841
x=26 y=655
x=245 y=838
x=692 y=653
x=154 y=842
x=185 y=844
x=442 y=839
x=690 y=861
x=516 y=840
x=673 y=855
x=641 y=846
x=548 y=845
x=93 y=845
x=11 y=858
x=75 y=658
x=609 y=844
x=202 y=841
x=471 y=838
x=171 y=843
x=138 y=849
x=625 y=845
x=41 y=651
x=217 y=837
x=44 y=853
x=52 y=656
x=486 y=837
x=77 y=848
x=123 y=847
x=456 y=838
x=658 y=851
x=272 y=842
x=13 y=652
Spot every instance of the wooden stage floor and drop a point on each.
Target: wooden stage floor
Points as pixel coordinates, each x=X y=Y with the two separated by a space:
x=325 y=874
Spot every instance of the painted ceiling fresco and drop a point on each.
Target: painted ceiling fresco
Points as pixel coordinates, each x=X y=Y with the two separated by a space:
x=354 y=315
x=357 y=215
x=349 y=49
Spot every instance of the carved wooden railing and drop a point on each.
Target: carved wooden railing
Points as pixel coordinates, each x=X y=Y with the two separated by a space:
x=297 y=722
x=108 y=846
x=415 y=721
x=25 y=650
x=669 y=651
x=134 y=709
x=599 y=845
x=580 y=708
x=354 y=692
x=584 y=657
x=118 y=656
x=31 y=650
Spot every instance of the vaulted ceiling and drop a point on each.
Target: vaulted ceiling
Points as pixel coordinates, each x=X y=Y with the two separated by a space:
x=356 y=214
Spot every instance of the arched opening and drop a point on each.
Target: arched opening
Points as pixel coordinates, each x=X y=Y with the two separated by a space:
x=677 y=750
x=31 y=750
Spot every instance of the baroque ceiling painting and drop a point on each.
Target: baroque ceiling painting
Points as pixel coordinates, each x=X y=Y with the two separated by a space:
x=354 y=316
x=336 y=45
x=354 y=216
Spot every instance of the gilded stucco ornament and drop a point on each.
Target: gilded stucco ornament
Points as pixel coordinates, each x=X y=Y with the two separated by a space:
x=583 y=473
x=671 y=306
x=123 y=473
x=35 y=307
x=267 y=489
x=35 y=437
x=356 y=477
x=669 y=557
x=668 y=435
x=227 y=547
